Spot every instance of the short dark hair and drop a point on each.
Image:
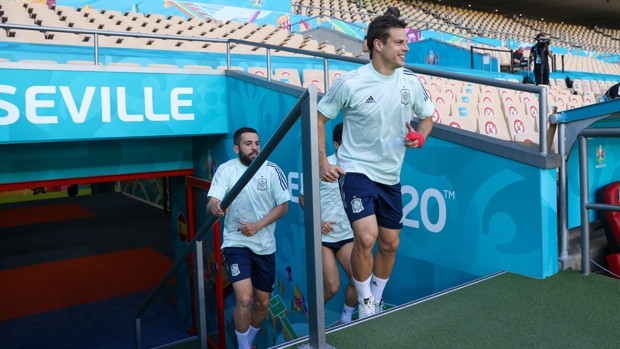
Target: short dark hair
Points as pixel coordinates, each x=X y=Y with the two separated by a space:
x=337 y=133
x=380 y=27
x=239 y=132
x=539 y=35
x=392 y=11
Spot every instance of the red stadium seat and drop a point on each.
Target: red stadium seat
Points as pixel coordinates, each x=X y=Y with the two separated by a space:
x=611 y=222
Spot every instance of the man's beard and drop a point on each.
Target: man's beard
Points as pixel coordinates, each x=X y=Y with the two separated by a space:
x=246 y=159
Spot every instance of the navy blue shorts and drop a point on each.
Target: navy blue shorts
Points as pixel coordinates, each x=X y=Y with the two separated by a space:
x=362 y=197
x=336 y=246
x=243 y=264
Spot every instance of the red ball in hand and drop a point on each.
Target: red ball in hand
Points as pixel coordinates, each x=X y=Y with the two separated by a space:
x=413 y=135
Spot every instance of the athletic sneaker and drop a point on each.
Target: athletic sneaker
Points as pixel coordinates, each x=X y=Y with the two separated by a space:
x=379 y=306
x=367 y=308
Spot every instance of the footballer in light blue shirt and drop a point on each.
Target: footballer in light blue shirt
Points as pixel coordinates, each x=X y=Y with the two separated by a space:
x=378 y=101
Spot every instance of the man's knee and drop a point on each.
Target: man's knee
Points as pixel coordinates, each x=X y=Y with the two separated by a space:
x=243 y=300
x=261 y=304
x=390 y=246
x=331 y=288
x=364 y=242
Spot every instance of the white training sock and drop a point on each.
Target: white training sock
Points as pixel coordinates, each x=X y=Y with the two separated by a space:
x=363 y=289
x=347 y=312
x=242 y=339
x=252 y=331
x=377 y=286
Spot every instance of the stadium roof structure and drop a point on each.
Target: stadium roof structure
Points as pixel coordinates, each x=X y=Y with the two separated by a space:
x=601 y=13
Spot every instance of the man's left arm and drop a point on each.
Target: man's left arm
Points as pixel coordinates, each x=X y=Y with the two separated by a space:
x=425 y=126
x=425 y=109
x=251 y=228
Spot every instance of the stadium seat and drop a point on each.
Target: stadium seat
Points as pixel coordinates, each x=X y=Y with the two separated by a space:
x=491 y=110
x=216 y=47
x=512 y=106
x=315 y=76
x=526 y=97
x=258 y=71
x=278 y=37
x=562 y=101
x=26 y=35
x=438 y=98
x=464 y=123
x=287 y=75
x=450 y=92
x=131 y=42
x=576 y=100
x=244 y=32
x=494 y=127
x=526 y=137
x=561 y=83
x=200 y=46
x=162 y=44
x=590 y=99
x=334 y=75
x=65 y=38
x=435 y=85
x=467 y=98
x=472 y=90
x=491 y=91
x=587 y=86
x=611 y=222
x=442 y=111
x=491 y=121
x=531 y=109
x=463 y=110
x=423 y=78
x=488 y=98
x=520 y=124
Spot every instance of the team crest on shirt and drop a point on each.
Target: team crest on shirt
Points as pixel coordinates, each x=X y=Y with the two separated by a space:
x=262 y=184
x=356 y=205
x=405 y=96
x=234 y=269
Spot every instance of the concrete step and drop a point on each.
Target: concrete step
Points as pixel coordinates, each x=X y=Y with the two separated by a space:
x=598 y=247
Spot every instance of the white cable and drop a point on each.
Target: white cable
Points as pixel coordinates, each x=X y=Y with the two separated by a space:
x=600 y=266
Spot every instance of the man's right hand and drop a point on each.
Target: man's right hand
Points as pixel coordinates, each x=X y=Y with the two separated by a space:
x=213 y=207
x=327 y=226
x=330 y=173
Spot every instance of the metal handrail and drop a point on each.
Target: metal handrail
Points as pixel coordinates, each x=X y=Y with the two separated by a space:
x=266 y=151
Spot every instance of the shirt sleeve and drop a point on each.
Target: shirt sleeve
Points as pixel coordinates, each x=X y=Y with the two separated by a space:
x=422 y=105
x=219 y=185
x=334 y=100
x=280 y=189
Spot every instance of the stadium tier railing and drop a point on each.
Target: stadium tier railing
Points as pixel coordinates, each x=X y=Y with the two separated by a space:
x=541 y=91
